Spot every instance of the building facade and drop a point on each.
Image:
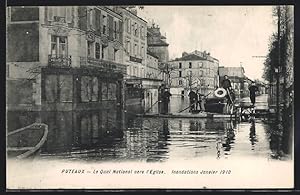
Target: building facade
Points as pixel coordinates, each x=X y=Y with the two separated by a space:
x=195 y=70
x=64 y=58
x=134 y=42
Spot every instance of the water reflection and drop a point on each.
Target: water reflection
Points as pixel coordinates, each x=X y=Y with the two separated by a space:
x=110 y=135
x=252 y=134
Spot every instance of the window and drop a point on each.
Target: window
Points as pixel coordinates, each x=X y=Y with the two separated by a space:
x=142 y=52
x=103 y=51
x=58 y=88
x=90 y=51
x=129 y=26
x=58 y=46
x=142 y=32
x=104 y=28
x=60 y=13
x=89 y=89
x=97 y=51
x=135 y=49
x=104 y=91
x=115 y=29
x=190 y=64
x=92 y=19
x=136 y=29
x=66 y=85
x=180 y=65
x=126 y=24
x=180 y=82
x=115 y=54
x=200 y=64
x=128 y=48
x=180 y=73
x=200 y=72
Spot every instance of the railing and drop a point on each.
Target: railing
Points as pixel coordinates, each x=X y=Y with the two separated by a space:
x=59 y=60
x=59 y=19
x=103 y=64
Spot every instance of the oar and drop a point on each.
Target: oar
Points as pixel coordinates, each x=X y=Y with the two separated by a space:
x=151 y=106
x=229 y=95
x=187 y=107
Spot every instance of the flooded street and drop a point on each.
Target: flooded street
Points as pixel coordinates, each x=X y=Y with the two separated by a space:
x=88 y=137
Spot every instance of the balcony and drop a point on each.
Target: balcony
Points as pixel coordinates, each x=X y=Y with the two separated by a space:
x=61 y=61
x=59 y=19
x=103 y=64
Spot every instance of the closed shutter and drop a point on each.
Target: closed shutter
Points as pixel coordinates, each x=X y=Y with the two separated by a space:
x=98 y=19
x=50 y=13
x=69 y=14
x=89 y=14
x=120 y=31
x=93 y=19
x=82 y=15
x=110 y=27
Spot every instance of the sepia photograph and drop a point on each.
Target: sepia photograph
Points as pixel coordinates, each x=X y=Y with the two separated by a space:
x=149 y=97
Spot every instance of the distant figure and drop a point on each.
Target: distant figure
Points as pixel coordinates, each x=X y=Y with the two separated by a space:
x=226 y=84
x=200 y=101
x=165 y=101
x=253 y=89
x=193 y=100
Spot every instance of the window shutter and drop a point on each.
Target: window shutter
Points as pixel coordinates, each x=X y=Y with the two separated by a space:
x=98 y=19
x=50 y=13
x=94 y=19
x=110 y=27
x=120 y=31
x=68 y=14
x=89 y=18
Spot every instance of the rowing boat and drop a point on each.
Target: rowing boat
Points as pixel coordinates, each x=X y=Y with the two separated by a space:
x=27 y=141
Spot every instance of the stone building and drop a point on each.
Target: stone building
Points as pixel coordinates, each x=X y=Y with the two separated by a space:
x=64 y=58
x=157 y=43
x=195 y=70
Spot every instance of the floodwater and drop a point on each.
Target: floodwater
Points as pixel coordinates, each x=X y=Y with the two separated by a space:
x=104 y=136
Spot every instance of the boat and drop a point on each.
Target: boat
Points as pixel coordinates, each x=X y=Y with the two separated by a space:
x=187 y=115
x=26 y=142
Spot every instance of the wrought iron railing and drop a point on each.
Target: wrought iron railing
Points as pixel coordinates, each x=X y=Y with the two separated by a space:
x=59 y=19
x=54 y=60
x=103 y=64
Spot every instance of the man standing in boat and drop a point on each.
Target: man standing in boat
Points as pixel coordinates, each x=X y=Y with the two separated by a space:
x=226 y=84
x=193 y=100
x=165 y=100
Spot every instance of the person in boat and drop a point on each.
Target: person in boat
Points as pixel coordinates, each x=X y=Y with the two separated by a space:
x=165 y=100
x=253 y=89
x=226 y=84
x=193 y=100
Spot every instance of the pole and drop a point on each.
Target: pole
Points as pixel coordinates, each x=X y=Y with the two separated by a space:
x=278 y=65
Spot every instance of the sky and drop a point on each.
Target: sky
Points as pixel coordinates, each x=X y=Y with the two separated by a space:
x=232 y=34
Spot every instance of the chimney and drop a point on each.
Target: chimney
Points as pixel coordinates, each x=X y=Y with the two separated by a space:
x=184 y=54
